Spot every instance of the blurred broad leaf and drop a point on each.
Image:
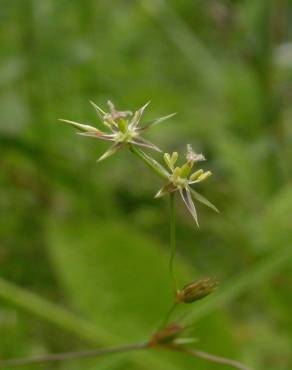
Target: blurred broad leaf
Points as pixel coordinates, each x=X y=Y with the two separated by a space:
x=119 y=279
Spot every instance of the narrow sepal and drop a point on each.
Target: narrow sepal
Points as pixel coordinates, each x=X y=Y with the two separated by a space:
x=200 y=198
x=166 y=189
x=101 y=113
x=98 y=135
x=155 y=122
x=80 y=126
x=137 y=116
x=187 y=198
x=112 y=150
x=142 y=142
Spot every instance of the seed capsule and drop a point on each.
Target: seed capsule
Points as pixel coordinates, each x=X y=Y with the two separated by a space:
x=196 y=175
x=197 y=290
x=204 y=176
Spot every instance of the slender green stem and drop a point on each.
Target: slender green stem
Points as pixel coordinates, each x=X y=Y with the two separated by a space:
x=150 y=162
x=168 y=315
x=57 y=357
x=172 y=241
x=157 y=168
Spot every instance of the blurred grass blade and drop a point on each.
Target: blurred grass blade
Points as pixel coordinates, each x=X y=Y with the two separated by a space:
x=53 y=313
x=200 y=58
x=249 y=279
x=144 y=143
x=66 y=320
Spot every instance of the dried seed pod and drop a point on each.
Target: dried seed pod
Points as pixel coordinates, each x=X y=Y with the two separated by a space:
x=197 y=290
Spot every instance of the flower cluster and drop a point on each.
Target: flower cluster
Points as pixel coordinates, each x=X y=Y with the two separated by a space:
x=181 y=177
x=124 y=129
x=123 y=126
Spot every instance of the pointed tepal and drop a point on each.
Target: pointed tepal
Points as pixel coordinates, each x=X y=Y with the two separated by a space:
x=81 y=127
x=112 y=150
x=186 y=197
x=155 y=122
x=137 y=116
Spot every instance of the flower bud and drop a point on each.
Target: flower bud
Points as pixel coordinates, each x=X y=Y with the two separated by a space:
x=197 y=290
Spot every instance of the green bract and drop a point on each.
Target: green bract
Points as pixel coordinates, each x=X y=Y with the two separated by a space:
x=123 y=126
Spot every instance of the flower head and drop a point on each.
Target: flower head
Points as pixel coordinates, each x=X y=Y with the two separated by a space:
x=123 y=127
x=181 y=178
x=196 y=290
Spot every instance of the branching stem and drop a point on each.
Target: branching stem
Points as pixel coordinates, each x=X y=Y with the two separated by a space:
x=209 y=357
x=151 y=163
x=58 y=357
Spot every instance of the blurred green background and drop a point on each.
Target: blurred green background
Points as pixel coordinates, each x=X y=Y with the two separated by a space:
x=90 y=237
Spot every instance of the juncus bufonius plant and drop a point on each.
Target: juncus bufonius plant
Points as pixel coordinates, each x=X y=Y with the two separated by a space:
x=124 y=129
